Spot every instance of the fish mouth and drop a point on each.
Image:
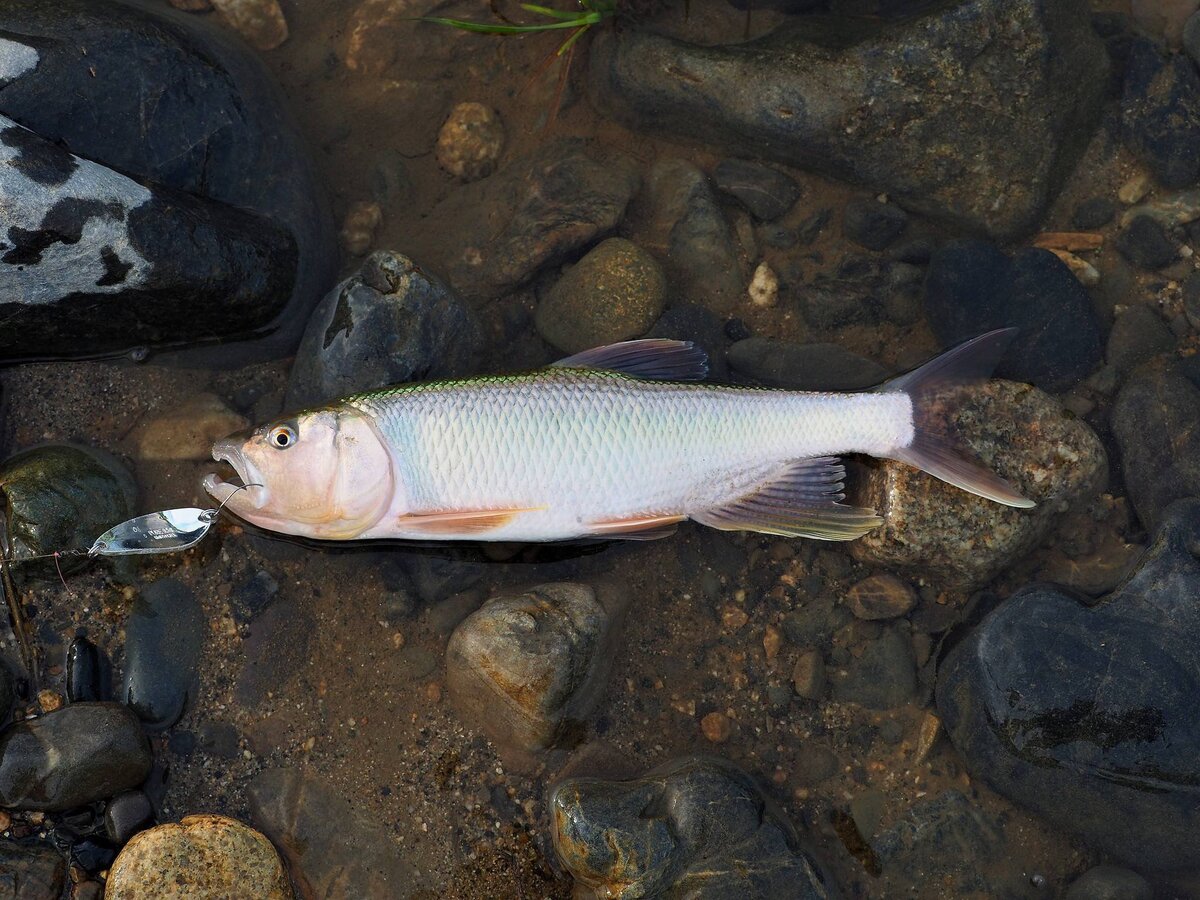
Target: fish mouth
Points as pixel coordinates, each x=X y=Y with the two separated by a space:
x=251 y=488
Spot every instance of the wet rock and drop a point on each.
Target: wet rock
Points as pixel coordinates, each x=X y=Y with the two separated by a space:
x=276 y=648
x=1146 y=243
x=260 y=22
x=689 y=322
x=872 y=224
x=695 y=827
x=1110 y=883
x=389 y=323
x=163 y=637
x=716 y=727
x=89 y=673
x=956 y=539
x=613 y=294
x=446 y=615
x=125 y=815
x=31 y=872
x=1162 y=19
x=333 y=849
x=8 y=687
x=187 y=431
x=220 y=134
x=1161 y=108
x=360 y=226
x=1153 y=420
x=526 y=668
x=1191 y=37
x=973 y=287
x=881 y=597
x=470 y=141
x=864 y=99
x=61 y=497
x=535 y=212
x=764 y=286
x=813 y=624
x=204 y=857
x=678 y=218
x=766 y=192
x=808 y=676
x=1085 y=715
x=1138 y=334
x=1093 y=213
x=80 y=753
x=883 y=676
x=804 y=367
x=251 y=595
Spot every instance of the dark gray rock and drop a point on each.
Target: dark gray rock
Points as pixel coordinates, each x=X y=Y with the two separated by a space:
x=973 y=287
x=679 y=220
x=333 y=849
x=72 y=756
x=252 y=594
x=765 y=191
x=494 y=235
x=872 y=224
x=1161 y=108
x=1086 y=715
x=62 y=497
x=1191 y=37
x=1153 y=420
x=126 y=815
x=883 y=676
x=1146 y=243
x=813 y=624
x=389 y=323
x=163 y=637
x=804 y=367
x=689 y=322
x=697 y=827
x=89 y=673
x=865 y=99
x=218 y=129
x=31 y=872
x=1094 y=212
x=1110 y=883
x=220 y=739
x=1138 y=334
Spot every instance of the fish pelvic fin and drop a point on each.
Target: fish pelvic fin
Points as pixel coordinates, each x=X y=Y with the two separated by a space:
x=459 y=522
x=801 y=499
x=649 y=527
x=934 y=448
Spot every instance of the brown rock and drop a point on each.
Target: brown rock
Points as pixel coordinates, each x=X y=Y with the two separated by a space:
x=187 y=431
x=470 y=141
x=716 y=727
x=360 y=225
x=204 y=857
x=808 y=678
x=881 y=597
x=260 y=22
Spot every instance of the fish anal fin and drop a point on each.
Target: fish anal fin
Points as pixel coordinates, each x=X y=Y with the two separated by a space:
x=459 y=521
x=801 y=499
x=649 y=527
x=651 y=358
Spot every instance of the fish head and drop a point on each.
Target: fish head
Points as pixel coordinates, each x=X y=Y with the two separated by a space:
x=324 y=473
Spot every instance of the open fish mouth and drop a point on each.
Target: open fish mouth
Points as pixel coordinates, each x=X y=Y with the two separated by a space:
x=251 y=488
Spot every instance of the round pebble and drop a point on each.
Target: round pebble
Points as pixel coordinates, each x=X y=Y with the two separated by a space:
x=470 y=141
x=716 y=727
x=881 y=597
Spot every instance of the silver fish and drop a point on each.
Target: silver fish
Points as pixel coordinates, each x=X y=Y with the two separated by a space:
x=621 y=441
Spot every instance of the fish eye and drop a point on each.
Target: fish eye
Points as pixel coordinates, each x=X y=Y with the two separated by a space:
x=281 y=437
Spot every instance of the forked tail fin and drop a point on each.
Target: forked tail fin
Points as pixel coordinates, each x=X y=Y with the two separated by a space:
x=933 y=449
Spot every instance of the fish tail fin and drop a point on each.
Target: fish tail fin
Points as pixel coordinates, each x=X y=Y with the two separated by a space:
x=933 y=449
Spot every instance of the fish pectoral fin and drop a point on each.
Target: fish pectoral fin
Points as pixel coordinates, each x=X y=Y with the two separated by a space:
x=459 y=521
x=651 y=358
x=802 y=499
x=649 y=527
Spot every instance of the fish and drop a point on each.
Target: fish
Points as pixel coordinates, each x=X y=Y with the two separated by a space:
x=624 y=441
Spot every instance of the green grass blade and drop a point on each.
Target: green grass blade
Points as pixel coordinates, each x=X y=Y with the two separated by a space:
x=488 y=28
x=551 y=13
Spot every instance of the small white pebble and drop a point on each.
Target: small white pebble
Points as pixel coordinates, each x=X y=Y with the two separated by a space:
x=764 y=286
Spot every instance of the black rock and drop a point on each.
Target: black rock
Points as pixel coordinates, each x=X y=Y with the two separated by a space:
x=89 y=673
x=872 y=224
x=864 y=99
x=1146 y=243
x=220 y=739
x=766 y=192
x=125 y=816
x=695 y=827
x=8 y=687
x=1153 y=420
x=72 y=756
x=93 y=856
x=973 y=287
x=250 y=596
x=31 y=872
x=1086 y=715
x=689 y=322
x=213 y=126
x=1095 y=212
x=1161 y=108
x=1109 y=883
x=389 y=323
x=1138 y=334
x=804 y=367
x=163 y=637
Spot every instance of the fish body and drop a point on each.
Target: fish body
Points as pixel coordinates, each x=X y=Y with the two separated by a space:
x=615 y=442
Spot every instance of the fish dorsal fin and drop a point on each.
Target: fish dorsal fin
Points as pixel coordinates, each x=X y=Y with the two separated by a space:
x=802 y=499
x=652 y=358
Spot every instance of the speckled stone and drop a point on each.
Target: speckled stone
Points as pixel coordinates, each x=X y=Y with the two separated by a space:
x=613 y=294
x=959 y=540
x=204 y=857
x=470 y=141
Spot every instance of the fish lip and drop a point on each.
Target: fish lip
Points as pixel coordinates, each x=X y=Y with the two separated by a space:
x=222 y=491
